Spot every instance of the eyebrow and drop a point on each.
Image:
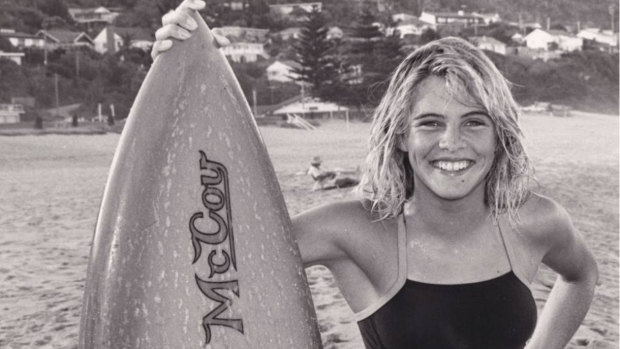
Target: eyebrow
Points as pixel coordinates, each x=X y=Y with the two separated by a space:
x=473 y=112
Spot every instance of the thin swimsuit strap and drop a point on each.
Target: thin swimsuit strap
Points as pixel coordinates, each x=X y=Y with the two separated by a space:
x=401 y=277
x=501 y=235
x=402 y=250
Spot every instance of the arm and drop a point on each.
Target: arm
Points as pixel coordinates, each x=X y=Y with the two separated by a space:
x=573 y=291
x=321 y=233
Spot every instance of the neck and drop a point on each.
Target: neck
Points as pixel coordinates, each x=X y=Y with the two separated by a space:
x=443 y=216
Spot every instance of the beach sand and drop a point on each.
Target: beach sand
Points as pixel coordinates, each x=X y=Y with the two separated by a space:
x=51 y=186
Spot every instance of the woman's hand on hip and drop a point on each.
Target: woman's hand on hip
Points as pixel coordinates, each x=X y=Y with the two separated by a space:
x=177 y=24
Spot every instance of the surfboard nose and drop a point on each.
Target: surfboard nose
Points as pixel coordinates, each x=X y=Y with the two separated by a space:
x=193 y=242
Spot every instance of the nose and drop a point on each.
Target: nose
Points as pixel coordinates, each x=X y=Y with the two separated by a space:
x=451 y=139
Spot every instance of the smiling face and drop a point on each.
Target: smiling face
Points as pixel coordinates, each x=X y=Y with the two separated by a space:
x=451 y=145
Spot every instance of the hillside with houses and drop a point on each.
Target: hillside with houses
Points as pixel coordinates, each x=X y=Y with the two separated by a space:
x=86 y=59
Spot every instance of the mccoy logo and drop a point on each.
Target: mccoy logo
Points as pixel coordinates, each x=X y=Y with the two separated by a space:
x=216 y=202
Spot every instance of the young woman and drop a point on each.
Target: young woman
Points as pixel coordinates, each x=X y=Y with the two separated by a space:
x=441 y=247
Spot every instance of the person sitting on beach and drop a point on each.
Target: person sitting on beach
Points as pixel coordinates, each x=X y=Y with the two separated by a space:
x=441 y=247
x=324 y=180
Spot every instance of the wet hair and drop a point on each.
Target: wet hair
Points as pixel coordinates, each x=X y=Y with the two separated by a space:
x=387 y=181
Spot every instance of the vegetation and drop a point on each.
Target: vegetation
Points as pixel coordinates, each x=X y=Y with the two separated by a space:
x=314 y=53
x=353 y=72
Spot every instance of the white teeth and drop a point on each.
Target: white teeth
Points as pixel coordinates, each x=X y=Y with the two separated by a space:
x=451 y=166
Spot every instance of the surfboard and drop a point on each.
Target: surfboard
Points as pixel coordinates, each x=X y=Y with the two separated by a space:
x=193 y=245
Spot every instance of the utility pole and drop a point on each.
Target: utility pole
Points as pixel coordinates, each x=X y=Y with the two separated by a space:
x=77 y=64
x=56 y=92
x=612 y=13
x=44 y=48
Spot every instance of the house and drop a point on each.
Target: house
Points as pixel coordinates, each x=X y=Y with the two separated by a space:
x=312 y=107
x=601 y=37
x=26 y=101
x=517 y=38
x=550 y=39
x=488 y=18
x=138 y=38
x=334 y=33
x=244 y=44
x=289 y=9
x=22 y=40
x=13 y=56
x=409 y=26
x=401 y=17
x=242 y=52
x=248 y=34
x=488 y=43
x=282 y=71
x=11 y=113
x=544 y=55
x=290 y=33
x=66 y=39
x=92 y=15
x=453 y=19
x=234 y=5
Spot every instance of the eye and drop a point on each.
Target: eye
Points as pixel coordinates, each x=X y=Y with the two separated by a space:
x=429 y=124
x=475 y=122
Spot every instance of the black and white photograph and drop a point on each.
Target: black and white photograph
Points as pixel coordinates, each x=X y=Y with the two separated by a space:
x=338 y=174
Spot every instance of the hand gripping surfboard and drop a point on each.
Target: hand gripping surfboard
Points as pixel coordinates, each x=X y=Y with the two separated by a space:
x=193 y=245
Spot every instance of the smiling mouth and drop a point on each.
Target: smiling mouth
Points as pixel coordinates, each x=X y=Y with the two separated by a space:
x=452 y=166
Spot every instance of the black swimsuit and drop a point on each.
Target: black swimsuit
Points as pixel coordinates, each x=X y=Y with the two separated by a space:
x=494 y=314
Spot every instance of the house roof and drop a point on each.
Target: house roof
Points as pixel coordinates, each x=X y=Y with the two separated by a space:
x=290 y=63
x=453 y=14
x=74 y=10
x=555 y=32
x=13 y=34
x=412 y=21
x=141 y=34
x=65 y=36
x=11 y=54
x=290 y=30
x=240 y=34
x=485 y=39
x=309 y=105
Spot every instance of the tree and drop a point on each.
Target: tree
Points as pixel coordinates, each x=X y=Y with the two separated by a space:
x=373 y=57
x=428 y=35
x=366 y=36
x=390 y=49
x=54 y=8
x=5 y=45
x=313 y=52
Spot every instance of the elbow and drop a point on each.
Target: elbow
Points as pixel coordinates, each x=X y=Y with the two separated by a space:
x=592 y=272
x=588 y=275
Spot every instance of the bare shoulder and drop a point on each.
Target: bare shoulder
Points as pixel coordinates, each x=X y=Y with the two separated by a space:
x=341 y=219
x=545 y=221
x=329 y=232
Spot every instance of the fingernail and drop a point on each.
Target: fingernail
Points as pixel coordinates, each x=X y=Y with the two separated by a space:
x=166 y=44
x=184 y=34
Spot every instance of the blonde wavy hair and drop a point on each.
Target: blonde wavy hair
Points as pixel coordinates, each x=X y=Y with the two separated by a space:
x=387 y=181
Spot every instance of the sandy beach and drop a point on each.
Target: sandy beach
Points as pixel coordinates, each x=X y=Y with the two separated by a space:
x=51 y=186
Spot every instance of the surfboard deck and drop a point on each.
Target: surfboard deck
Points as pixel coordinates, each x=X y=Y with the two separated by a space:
x=193 y=245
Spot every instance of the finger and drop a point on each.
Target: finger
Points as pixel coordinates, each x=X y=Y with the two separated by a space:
x=181 y=18
x=171 y=31
x=192 y=5
x=159 y=47
x=167 y=18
